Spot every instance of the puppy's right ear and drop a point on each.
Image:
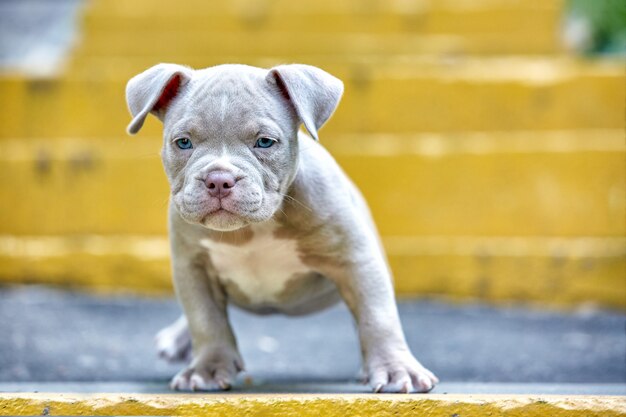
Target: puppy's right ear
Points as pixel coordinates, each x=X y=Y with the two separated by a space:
x=152 y=91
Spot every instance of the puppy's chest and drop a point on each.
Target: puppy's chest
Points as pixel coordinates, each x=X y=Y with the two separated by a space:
x=259 y=269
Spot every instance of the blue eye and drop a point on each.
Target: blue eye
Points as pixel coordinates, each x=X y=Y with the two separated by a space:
x=264 y=143
x=183 y=143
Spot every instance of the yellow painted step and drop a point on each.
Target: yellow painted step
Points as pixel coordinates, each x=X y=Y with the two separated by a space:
x=164 y=8
x=254 y=45
x=400 y=97
x=537 y=21
x=312 y=405
x=568 y=183
x=250 y=29
x=559 y=272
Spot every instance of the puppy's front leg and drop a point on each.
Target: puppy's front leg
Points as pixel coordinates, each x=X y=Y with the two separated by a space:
x=216 y=360
x=367 y=288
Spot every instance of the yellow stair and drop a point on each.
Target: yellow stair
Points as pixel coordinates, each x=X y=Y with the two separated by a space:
x=311 y=405
x=444 y=184
x=393 y=96
x=268 y=28
x=510 y=155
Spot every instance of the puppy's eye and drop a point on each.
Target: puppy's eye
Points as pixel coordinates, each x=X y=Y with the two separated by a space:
x=183 y=143
x=264 y=142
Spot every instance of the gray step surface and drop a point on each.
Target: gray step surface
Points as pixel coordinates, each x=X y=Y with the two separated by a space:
x=54 y=340
x=465 y=388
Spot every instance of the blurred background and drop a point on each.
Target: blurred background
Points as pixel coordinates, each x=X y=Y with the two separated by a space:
x=487 y=135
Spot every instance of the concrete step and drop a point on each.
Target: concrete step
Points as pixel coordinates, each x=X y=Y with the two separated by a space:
x=109 y=346
x=406 y=95
x=480 y=184
x=322 y=387
x=104 y=363
x=111 y=340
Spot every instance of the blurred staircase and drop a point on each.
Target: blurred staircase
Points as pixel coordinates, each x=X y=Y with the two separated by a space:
x=508 y=157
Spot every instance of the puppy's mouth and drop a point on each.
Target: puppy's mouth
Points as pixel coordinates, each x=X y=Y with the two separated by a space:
x=220 y=211
x=223 y=219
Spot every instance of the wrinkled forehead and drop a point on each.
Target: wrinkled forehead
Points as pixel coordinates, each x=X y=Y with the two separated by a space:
x=230 y=98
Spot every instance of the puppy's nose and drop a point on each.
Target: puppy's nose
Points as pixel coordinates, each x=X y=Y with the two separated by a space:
x=220 y=183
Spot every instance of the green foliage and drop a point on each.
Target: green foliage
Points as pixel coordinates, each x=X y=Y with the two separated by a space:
x=606 y=20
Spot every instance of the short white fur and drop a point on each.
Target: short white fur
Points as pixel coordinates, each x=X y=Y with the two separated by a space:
x=261 y=267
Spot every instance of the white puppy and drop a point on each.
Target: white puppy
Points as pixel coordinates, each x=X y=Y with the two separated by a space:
x=263 y=217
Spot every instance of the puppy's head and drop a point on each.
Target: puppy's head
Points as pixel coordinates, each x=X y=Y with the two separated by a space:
x=230 y=147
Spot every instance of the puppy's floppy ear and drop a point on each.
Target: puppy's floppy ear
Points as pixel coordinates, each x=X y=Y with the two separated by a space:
x=314 y=93
x=152 y=91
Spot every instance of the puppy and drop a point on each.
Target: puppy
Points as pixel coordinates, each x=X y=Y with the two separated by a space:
x=262 y=216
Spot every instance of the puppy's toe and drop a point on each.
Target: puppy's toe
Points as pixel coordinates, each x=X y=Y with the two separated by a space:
x=216 y=374
x=201 y=381
x=379 y=379
x=401 y=382
x=398 y=380
x=196 y=380
x=402 y=374
x=423 y=380
x=181 y=382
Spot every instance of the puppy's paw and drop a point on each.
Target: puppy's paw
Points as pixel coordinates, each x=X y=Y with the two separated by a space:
x=399 y=372
x=213 y=371
x=173 y=343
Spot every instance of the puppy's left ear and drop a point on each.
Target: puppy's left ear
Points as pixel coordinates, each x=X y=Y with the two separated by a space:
x=314 y=93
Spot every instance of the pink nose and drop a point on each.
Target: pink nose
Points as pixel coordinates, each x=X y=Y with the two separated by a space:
x=220 y=183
